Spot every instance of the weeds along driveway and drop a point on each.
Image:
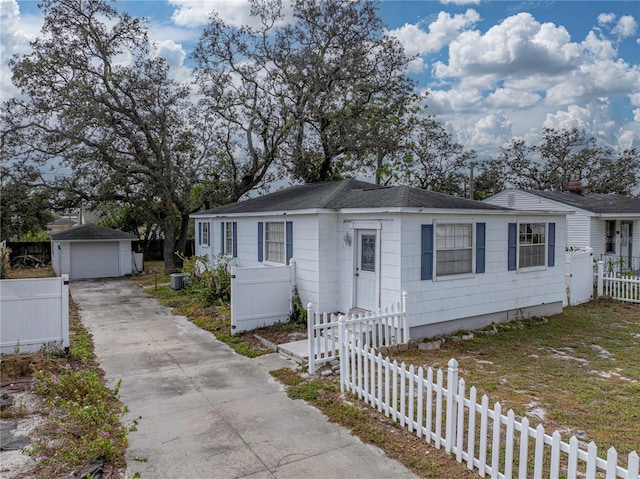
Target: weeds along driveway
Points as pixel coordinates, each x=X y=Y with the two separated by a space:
x=207 y=411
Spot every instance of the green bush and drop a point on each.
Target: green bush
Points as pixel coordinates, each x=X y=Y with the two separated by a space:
x=209 y=282
x=299 y=313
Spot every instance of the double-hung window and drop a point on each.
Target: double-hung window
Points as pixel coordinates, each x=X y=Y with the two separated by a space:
x=228 y=238
x=454 y=249
x=459 y=248
x=203 y=230
x=274 y=241
x=531 y=245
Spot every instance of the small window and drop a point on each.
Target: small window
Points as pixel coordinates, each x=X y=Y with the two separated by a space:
x=204 y=233
x=454 y=249
x=610 y=238
x=531 y=245
x=274 y=242
x=228 y=237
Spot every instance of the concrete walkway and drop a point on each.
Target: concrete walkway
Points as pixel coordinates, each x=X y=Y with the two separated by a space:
x=208 y=412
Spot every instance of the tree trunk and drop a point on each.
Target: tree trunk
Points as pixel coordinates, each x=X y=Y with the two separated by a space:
x=170 y=263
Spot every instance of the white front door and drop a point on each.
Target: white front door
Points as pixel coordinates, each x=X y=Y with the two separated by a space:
x=366 y=270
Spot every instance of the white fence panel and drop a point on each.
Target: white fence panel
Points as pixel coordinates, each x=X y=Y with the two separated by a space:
x=261 y=296
x=622 y=288
x=579 y=276
x=500 y=447
x=33 y=312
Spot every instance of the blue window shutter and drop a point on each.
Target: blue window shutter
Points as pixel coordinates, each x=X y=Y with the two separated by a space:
x=426 y=261
x=551 y=254
x=222 y=251
x=234 y=239
x=480 y=246
x=289 y=241
x=513 y=246
x=200 y=232
x=260 y=235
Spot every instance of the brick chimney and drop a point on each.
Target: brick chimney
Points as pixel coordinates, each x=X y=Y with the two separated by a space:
x=575 y=186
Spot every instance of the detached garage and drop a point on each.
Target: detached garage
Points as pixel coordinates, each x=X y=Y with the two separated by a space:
x=91 y=251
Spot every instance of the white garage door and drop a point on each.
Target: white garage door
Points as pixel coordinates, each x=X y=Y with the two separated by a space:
x=94 y=260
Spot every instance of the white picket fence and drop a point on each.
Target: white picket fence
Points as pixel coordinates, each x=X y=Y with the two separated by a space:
x=618 y=287
x=483 y=438
x=33 y=313
x=383 y=327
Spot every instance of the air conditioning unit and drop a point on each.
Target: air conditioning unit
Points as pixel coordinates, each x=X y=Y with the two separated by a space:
x=178 y=281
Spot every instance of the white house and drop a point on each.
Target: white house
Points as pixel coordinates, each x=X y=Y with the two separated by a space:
x=604 y=222
x=91 y=251
x=464 y=264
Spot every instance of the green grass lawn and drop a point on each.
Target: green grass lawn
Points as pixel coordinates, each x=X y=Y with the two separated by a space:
x=579 y=373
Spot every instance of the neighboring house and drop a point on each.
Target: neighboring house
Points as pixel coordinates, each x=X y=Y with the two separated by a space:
x=464 y=264
x=61 y=223
x=91 y=251
x=604 y=222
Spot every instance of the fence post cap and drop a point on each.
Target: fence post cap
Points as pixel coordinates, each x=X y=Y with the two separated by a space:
x=309 y=305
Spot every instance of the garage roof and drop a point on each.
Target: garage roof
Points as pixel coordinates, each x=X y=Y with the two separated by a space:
x=92 y=232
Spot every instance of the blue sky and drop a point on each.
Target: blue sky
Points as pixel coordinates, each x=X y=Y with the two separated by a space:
x=493 y=70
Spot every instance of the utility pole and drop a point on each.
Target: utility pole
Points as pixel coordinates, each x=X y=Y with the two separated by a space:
x=471 y=192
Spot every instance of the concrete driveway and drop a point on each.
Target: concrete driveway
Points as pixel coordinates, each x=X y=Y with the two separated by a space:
x=208 y=412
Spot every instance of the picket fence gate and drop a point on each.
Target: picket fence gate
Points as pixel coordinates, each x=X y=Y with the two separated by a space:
x=498 y=446
x=621 y=288
x=383 y=327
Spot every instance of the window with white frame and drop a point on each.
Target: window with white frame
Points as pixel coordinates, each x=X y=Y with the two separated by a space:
x=454 y=249
x=275 y=242
x=531 y=245
x=228 y=237
x=204 y=233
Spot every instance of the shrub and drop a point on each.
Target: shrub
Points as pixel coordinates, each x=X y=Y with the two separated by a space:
x=209 y=282
x=298 y=313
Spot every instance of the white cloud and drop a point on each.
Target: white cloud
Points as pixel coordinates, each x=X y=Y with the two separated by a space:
x=441 y=32
x=599 y=47
x=626 y=27
x=171 y=52
x=510 y=98
x=605 y=18
x=519 y=46
x=195 y=13
x=460 y=2
x=594 y=118
x=16 y=33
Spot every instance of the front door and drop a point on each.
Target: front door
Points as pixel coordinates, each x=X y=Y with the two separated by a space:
x=366 y=270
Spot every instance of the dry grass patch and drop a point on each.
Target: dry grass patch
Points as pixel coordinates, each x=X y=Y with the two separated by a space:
x=579 y=373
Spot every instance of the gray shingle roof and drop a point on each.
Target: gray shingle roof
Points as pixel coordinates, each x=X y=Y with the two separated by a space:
x=92 y=232
x=594 y=202
x=348 y=194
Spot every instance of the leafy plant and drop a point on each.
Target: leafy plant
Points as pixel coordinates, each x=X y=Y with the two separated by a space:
x=87 y=419
x=298 y=313
x=210 y=282
x=5 y=253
